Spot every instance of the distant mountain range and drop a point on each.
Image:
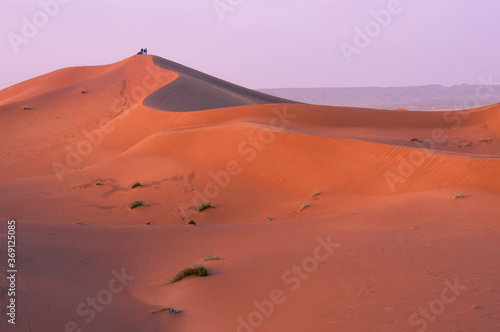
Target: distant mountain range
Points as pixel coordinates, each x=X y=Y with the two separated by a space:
x=428 y=97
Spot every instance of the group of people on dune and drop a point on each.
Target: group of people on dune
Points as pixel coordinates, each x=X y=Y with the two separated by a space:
x=143 y=51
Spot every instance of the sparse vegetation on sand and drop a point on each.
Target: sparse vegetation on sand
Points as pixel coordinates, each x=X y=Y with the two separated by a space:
x=457 y=196
x=169 y=310
x=191 y=222
x=268 y=218
x=197 y=270
x=204 y=206
x=83 y=92
x=98 y=184
x=486 y=140
x=302 y=207
x=26 y=108
x=316 y=193
x=136 y=184
x=416 y=139
x=211 y=257
x=135 y=204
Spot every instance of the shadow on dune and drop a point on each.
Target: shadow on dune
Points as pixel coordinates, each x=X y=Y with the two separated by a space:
x=196 y=91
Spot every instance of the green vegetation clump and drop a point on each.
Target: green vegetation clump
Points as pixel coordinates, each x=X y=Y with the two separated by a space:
x=26 y=108
x=136 y=184
x=316 y=193
x=191 y=222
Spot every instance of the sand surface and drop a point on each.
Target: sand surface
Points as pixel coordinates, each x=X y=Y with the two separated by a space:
x=378 y=243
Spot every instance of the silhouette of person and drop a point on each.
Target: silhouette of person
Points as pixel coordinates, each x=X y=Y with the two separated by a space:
x=142 y=51
x=145 y=51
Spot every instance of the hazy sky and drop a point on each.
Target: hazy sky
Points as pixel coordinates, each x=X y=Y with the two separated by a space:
x=261 y=43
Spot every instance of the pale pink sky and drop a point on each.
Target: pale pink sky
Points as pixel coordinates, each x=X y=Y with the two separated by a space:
x=261 y=43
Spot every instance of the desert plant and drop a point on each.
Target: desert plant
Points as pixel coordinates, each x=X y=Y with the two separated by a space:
x=486 y=140
x=316 y=193
x=83 y=92
x=135 y=204
x=98 y=184
x=416 y=139
x=170 y=310
x=204 y=206
x=197 y=270
x=210 y=257
x=457 y=196
x=191 y=222
x=148 y=222
x=302 y=207
x=268 y=218
x=26 y=108
x=136 y=184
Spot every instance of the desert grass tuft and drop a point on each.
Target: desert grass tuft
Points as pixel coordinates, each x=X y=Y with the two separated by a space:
x=316 y=193
x=136 y=184
x=416 y=139
x=191 y=222
x=26 y=108
x=204 y=206
x=197 y=270
x=211 y=257
x=269 y=218
x=169 y=310
x=135 y=204
x=457 y=196
x=302 y=207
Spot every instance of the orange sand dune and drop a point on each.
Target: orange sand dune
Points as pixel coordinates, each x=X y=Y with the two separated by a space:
x=283 y=178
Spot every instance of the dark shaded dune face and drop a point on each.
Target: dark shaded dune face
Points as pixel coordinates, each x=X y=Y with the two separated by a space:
x=196 y=91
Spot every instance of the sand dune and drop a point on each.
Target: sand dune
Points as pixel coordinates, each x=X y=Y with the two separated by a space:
x=283 y=179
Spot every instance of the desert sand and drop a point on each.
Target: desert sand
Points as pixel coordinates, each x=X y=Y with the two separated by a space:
x=324 y=218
